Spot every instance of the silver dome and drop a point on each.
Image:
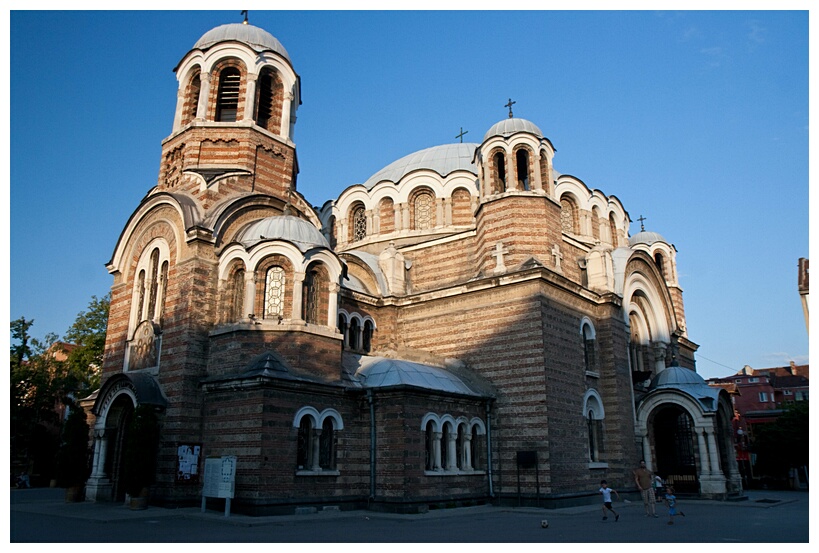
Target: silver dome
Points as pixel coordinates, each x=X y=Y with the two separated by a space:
x=283 y=227
x=646 y=237
x=442 y=159
x=512 y=125
x=258 y=39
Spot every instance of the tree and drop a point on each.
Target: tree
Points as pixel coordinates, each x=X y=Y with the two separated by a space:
x=783 y=443
x=47 y=374
x=88 y=334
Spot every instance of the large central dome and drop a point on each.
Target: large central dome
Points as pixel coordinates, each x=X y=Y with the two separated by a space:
x=441 y=159
x=258 y=39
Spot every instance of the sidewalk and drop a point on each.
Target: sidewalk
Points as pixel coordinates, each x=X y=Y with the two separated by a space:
x=51 y=501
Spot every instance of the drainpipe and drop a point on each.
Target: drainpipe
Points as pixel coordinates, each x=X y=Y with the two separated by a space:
x=372 y=443
x=489 y=446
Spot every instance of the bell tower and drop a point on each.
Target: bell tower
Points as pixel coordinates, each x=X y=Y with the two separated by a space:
x=235 y=113
x=518 y=215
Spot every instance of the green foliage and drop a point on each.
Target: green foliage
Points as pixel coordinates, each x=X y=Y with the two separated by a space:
x=782 y=444
x=141 y=449
x=41 y=380
x=72 y=461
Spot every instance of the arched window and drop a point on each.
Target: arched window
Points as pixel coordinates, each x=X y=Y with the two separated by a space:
x=522 y=166
x=359 y=223
x=227 y=99
x=316 y=445
x=461 y=207
x=568 y=215
x=355 y=331
x=265 y=96
x=311 y=297
x=544 y=172
x=594 y=415
x=500 y=172
x=191 y=99
x=386 y=215
x=237 y=300
x=445 y=454
x=461 y=449
x=305 y=444
x=476 y=446
x=595 y=223
x=429 y=447
x=154 y=279
x=658 y=260
x=274 y=293
x=327 y=445
x=424 y=211
x=140 y=295
x=367 y=336
x=613 y=230
x=342 y=327
x=588 y=348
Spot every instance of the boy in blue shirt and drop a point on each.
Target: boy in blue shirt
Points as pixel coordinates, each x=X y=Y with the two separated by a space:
x=606 y=491
x=671 y=501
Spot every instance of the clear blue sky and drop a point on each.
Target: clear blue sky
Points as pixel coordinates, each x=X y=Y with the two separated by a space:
x=696 y=120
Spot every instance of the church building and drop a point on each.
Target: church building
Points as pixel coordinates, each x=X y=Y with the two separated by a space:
x=466 y=326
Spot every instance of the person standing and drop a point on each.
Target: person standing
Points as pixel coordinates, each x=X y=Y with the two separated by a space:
x=606 y=491
x=644 y=481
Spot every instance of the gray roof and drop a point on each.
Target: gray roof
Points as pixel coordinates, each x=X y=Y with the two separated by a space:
x=442 y=159
x=258 y=39
x=379 y=372
x=687 y=381
x=646 y=237
x=512 y=125
x=283 y=227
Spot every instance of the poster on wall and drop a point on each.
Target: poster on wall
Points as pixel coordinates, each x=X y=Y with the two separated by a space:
x=187 y=469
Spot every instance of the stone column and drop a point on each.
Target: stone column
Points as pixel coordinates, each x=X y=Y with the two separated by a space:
x=704 y=457
x=447 y=211
x=332 y=304
x=298 y=283
x=397 y=222
x=286 y=107
x=439 y=213
x=659 y=357
x=405 y=216
x=511 y=172
x=180 y=104
x=314 y=461
x=537 y=181
x=204 y=93
x=250 y=296
x=250 y=96
x=98 y=487
x=714 y=453
x=451 y=451
x=647 y=453
x=436 y=450
x=467 y=445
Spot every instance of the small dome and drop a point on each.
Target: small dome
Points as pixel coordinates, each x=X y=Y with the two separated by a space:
x=689 y=382
x=442 y=159
x=258 y=39
x=512 y=125
x=380 y=372
x=646 y=237
x=283 y=227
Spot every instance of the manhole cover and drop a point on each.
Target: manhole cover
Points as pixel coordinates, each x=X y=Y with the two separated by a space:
x=768 y=500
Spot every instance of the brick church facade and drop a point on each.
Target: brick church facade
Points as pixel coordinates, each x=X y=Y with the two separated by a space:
x=468 y=325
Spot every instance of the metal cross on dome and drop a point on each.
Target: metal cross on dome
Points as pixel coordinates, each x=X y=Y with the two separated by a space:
x=641 y=219
x=461 y=136
x=244 y=12
x=509 y=105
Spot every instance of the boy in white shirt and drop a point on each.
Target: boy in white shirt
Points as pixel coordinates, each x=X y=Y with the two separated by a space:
x=606 y=491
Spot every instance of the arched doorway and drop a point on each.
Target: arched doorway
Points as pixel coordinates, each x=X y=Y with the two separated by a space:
x=674 y=448
x=116 y=428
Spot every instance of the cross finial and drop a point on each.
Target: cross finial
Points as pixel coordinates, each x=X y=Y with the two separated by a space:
x=509 y=105
x=461 y=136
x=244 y=12
x=641 y=219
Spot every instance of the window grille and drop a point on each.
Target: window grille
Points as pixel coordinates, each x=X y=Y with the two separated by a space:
x=312 y=297
x=274 y=292
x=359 y=224
x=567 y=215
x=424 y=211
x=237 y=301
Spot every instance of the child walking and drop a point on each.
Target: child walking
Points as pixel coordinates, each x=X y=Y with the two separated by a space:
x=606 y=491
x=671 y=501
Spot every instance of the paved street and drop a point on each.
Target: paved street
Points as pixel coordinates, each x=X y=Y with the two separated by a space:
x=41 y=516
